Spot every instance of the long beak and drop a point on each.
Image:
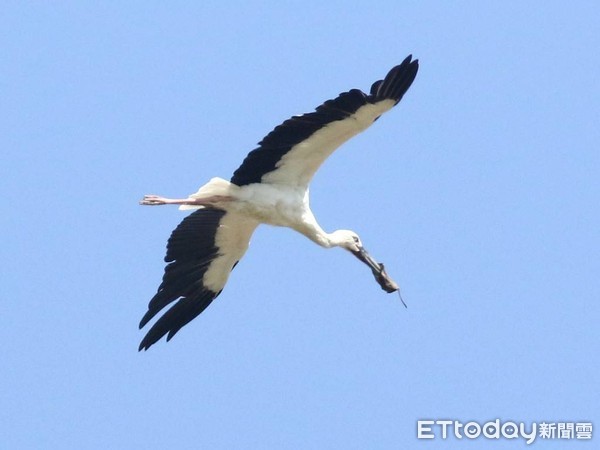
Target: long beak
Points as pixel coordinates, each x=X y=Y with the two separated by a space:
x=386 y=283
x=364 y=256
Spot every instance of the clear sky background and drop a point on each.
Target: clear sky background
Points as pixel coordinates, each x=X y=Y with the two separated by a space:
x=480 y=192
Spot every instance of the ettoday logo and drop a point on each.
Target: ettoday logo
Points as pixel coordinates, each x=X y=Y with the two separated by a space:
x=496 y=429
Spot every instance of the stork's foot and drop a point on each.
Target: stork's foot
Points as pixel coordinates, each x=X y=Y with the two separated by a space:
x=154 y=200
x=212 y=201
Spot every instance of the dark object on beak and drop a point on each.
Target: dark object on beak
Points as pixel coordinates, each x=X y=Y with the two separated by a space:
x=386 y=283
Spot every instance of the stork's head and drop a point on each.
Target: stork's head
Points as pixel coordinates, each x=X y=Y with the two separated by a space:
x=347 y=239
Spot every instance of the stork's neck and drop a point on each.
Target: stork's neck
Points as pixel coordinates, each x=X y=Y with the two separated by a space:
x=339 y=238
x=324 y=239
x=316 y=234
x=310 y=228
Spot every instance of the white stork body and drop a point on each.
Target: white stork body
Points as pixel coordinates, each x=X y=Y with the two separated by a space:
x=270 y=187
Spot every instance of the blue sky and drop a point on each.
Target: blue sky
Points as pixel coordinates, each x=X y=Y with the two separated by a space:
x=480 y=193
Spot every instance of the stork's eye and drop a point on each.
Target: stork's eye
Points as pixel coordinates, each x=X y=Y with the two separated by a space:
x=356 y=239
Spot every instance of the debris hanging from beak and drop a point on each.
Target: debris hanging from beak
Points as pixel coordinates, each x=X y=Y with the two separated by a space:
x=381 y=276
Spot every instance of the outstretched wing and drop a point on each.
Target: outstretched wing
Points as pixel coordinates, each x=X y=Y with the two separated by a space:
x=201 y=253
x=293 y=151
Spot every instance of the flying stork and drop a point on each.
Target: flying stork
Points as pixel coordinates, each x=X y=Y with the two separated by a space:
x=271 y=187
